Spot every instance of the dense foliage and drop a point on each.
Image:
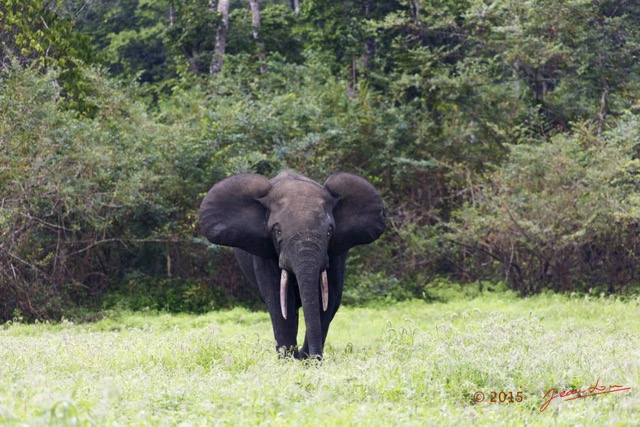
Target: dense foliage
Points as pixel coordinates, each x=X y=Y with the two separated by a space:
x=504 y=136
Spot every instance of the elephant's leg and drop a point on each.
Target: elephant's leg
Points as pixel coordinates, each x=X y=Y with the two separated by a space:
x=285 y=331
x=335 y=275
x=245 y=261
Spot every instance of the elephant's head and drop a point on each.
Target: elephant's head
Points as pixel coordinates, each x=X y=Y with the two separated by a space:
x=299 y=223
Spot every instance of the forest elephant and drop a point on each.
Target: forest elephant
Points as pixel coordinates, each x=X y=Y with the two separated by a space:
x=291 y=237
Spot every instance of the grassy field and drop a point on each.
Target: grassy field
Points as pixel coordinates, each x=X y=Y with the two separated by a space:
x=407 y=364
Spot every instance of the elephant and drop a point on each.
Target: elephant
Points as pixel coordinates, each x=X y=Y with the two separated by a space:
x=290 y=237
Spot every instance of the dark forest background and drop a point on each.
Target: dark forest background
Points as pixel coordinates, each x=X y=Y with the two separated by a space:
x=504 y=136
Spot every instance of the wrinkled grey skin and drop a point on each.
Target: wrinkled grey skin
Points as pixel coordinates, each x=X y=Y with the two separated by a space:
x=293 y=223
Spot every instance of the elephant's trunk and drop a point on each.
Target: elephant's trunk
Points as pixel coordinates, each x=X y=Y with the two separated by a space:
x=310 y=295
x=284 y=284
x=308 y=260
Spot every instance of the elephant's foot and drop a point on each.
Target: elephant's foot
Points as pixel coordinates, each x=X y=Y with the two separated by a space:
x=292 y=352
x=288 y=352
x=304 y=354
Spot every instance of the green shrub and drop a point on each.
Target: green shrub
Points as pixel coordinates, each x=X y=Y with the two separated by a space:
x=368 y=286
x=563 y=215
x=142 y=292
x=84 y=199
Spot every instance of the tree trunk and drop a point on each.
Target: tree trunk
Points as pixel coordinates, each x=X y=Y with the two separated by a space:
x=255 y=25
x=221 y=36
x=366 y=59
x=172 y=14
x=295 y=6
x=603 y=107
x=255 y=17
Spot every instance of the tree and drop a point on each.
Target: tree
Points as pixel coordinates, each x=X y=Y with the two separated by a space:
x=221 y=36
x=255 y=25
x=37 y=33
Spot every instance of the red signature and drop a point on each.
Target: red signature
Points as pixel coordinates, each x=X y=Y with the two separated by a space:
x=572 y=394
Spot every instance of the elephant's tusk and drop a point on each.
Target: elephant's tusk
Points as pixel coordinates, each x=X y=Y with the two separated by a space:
x=284 y=281
x=325 y=291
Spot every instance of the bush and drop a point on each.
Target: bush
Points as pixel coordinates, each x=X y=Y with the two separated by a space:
x=368 y=286
x=142 y=292
x=563 y=215
x=87 y=199
x=70 y=186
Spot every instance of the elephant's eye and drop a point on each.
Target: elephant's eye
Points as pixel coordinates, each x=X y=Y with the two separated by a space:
x=277 y=233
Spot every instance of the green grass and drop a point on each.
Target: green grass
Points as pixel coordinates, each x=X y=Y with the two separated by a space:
x=407 y=364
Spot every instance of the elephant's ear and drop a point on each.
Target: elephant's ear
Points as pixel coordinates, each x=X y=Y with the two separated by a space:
x=232 y=215
x=357 y=214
